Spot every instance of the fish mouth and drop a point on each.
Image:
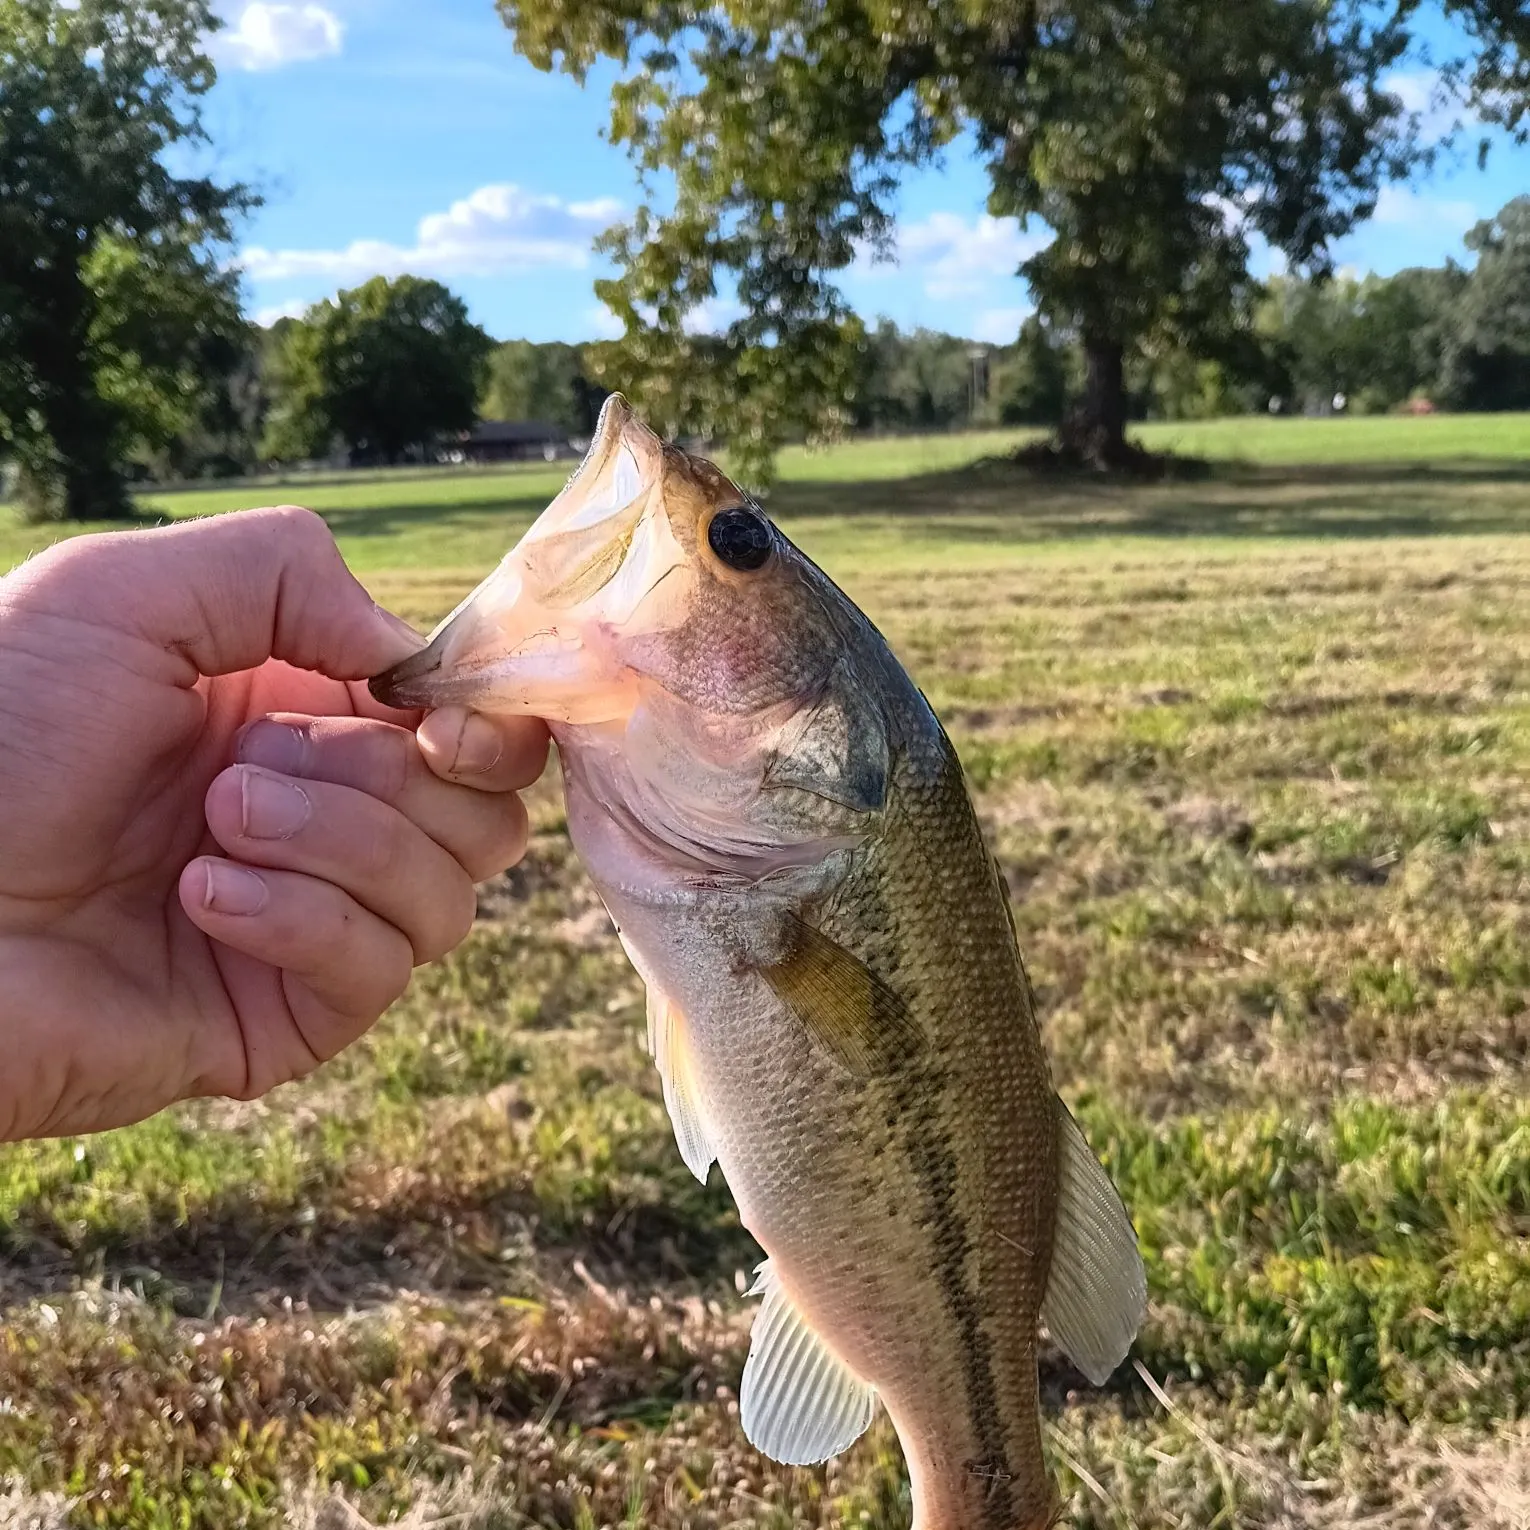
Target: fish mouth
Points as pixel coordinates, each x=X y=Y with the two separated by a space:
x=535 y=638
x=396 y=687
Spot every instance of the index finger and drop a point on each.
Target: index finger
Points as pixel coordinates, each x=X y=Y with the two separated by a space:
x=224 y=594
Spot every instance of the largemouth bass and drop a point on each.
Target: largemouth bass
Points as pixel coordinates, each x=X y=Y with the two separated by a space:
x=837 y=1005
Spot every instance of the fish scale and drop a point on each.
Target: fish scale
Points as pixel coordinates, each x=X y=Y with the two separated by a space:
x=781 y=831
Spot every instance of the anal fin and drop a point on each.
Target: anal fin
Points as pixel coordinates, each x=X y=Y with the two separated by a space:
x=1096 y=1291
x=798 y=1403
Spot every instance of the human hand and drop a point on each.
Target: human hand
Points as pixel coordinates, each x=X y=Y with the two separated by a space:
x=219 y=857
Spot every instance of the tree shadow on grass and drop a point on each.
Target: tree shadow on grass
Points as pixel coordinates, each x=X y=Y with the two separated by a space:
x=463 y=514
x=239 y=1256
x=999 y=500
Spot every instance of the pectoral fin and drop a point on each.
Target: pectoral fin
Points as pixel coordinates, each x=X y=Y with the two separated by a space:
x=798 y=1404
x=842 y=1003
x=1096 y=1292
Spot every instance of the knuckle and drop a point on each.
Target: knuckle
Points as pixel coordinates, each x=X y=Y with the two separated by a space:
x=502 y=844
x=454 y=920
x=380 y=847
x=298 y=522
x=391 y=764
x=392 y=967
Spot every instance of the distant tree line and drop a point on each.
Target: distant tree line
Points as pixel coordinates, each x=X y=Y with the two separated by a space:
x=1155 y=142
x=394 y=370
x=1457 y=337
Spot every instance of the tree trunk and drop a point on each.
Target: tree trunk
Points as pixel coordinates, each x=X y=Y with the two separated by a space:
x=69 y=468
x=1096 y=430
x=69 y=478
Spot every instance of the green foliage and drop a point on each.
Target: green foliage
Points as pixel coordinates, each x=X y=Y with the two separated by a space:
x=1152 y=139
x=1153 y=142
x=97 y=231
x=387 y=366
x=167 y=338
x=1033 y=381
x=1486 y=362
x=1495 y=73
x=1379 y=340
x=920 y=381
x=550 y=382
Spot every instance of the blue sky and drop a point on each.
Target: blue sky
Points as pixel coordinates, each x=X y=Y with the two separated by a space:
x=390 y=135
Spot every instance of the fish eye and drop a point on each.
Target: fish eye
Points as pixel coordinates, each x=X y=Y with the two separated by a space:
x=740 y=536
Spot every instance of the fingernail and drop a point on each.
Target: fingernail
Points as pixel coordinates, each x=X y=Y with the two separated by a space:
x=233 y=890
x=276 y=746
x=273 y=808
x=479 y=746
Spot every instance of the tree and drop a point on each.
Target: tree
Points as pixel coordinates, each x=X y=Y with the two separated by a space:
x=919 y=381
x=1486 y=362
x=1399 y=332
x=1494 y=74
x=1379 y=341
x=167 y=341
x=542 y=382
x=1152 y=138
x=98 y=101
x=1033 y=383
x=387 y=366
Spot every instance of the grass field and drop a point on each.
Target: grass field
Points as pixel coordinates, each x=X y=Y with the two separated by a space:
x=1253 y=751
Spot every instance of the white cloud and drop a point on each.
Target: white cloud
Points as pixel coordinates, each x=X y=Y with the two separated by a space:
x=1401 y=208
x=601 y=323
x=999 y=326
x=1424 y=92
x=713 y=315
x=960 y=258
x=266 y=36
x=498 y=229
x=293 y=308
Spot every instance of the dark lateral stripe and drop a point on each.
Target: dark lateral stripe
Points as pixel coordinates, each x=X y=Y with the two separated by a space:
x=934 y=1164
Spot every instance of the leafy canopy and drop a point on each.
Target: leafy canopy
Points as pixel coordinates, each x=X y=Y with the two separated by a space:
x=1487 y=356
x=111 y=290
x=386 y=366
x=548 y=382
x=1152 y=135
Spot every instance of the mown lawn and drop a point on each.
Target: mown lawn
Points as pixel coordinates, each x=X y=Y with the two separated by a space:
x=1253 y=751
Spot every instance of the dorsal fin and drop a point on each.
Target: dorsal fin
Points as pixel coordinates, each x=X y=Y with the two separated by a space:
x=798 y=1404
x=1096 y=1290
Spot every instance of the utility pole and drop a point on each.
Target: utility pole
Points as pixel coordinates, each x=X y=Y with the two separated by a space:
x=977 y=391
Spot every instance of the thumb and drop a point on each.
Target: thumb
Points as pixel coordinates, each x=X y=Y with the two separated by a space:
x=230 y=592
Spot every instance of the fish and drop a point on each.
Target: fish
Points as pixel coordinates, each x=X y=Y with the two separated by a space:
x=837 y=1005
